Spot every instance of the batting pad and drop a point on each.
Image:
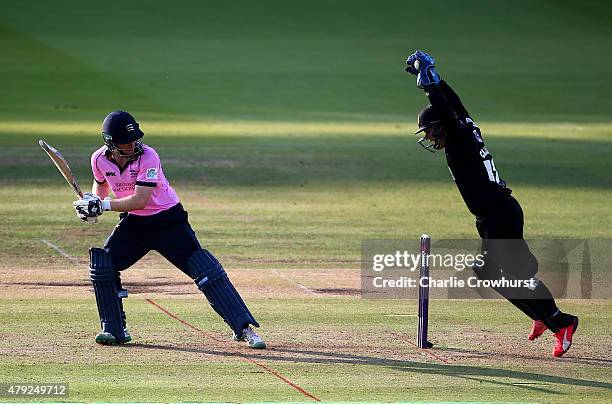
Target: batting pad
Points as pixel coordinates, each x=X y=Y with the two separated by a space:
x=212 y=280
x=108 y=294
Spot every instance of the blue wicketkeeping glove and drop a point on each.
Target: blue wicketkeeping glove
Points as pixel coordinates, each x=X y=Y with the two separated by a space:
x=422 y=65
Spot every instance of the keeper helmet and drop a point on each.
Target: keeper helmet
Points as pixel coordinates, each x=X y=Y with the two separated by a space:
x=429 y=118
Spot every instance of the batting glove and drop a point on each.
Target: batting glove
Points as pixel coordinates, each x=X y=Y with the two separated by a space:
x=90 y=206
x=87 y=219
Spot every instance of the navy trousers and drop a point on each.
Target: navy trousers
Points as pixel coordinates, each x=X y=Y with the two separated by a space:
x=167 y=232
x=507 y=254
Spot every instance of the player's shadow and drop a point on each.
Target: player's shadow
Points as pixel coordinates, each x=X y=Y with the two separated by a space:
x=470 y=372
x=573 y=359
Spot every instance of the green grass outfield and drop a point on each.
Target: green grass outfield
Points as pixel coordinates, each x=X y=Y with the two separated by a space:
x=335 y=349
x=285 y=127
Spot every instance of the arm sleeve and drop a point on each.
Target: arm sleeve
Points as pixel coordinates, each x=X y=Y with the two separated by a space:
x=447 y=102
x=149 y=173
x=97 y=174
x=453 y=100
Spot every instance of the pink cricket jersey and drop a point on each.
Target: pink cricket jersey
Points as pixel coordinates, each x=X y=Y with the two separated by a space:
x=145 y=171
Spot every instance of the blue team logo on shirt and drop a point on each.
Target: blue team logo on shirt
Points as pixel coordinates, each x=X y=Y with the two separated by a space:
x=151 y=173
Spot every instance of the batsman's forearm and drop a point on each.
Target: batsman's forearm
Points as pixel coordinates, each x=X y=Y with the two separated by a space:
x=101 y=190
x=127 y=204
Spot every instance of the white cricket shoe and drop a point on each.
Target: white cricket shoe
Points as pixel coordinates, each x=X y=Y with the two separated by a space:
x=251 y=338
x=106 y=338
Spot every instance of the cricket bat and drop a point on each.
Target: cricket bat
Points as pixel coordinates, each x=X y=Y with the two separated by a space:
x=62 y=166
x=64 y=169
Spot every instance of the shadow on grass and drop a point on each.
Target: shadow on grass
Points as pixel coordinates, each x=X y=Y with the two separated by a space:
x=477 y=373
x=299 y=161
x=573 y=359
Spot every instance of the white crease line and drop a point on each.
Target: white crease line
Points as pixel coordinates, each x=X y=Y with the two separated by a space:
x=78 y=263
x=300 y=285
x=400 y=315
x=62 y=252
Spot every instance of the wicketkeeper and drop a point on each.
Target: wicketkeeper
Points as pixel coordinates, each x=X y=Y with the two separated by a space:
x=447 y=125
x=152 y=219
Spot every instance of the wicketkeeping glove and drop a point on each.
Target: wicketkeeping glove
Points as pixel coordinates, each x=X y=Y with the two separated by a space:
x=423 y=66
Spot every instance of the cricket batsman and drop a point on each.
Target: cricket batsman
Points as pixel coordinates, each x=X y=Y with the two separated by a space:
x=447 y=125
x=152 y=218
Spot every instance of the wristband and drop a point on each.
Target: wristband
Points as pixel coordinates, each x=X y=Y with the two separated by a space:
x=106 y=204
